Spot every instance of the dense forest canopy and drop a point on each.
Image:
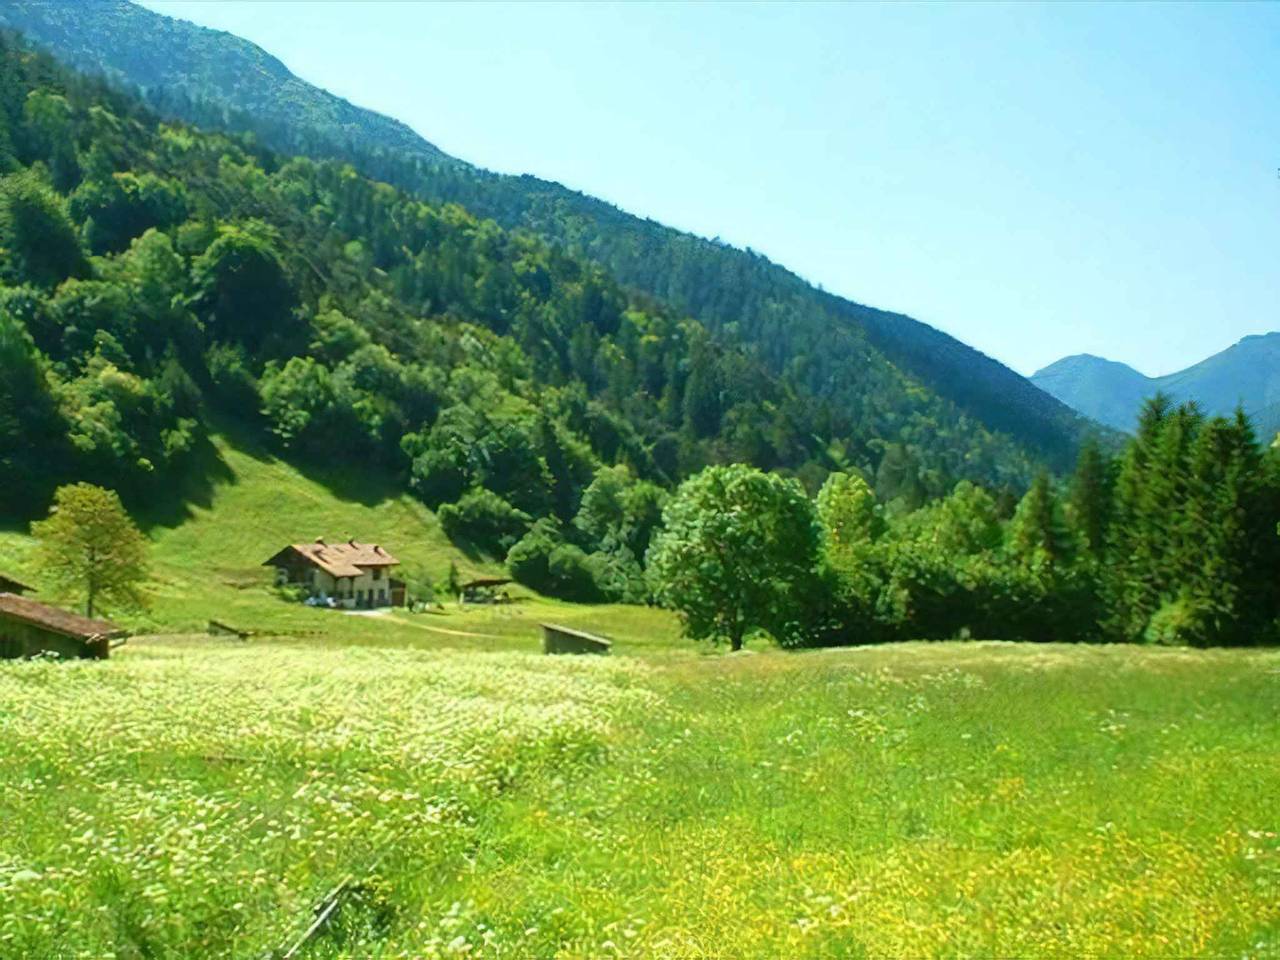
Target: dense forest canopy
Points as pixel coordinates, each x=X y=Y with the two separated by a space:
x=156 y=278
x=1173 y=542
x=899 y=381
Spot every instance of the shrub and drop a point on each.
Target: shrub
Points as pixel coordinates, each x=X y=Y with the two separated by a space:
x=484 y=520
x=574 y=573
x=529 y=561
x=543 y=561
x=1185 y=622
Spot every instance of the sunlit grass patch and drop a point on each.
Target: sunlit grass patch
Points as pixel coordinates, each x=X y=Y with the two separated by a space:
x=199 y=797
x=182 y=798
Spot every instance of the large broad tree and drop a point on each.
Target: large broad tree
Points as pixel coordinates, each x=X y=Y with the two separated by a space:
x=38 y=242
x=736 y=550
x=90 y=549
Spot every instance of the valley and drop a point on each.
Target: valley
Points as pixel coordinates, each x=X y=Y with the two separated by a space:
x=867 y=645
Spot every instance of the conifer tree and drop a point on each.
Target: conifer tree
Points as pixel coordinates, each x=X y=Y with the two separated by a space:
x=1037 y=534
x=1089 y=499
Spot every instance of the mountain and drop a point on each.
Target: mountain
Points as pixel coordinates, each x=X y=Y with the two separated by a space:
x=240 y=73
x=160 y=284
x=1104 y=390
x=873 y=366
x=1246 y=374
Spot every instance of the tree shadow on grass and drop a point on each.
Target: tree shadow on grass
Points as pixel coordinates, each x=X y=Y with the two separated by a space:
x=163 y=500
x=352 y=479
x=172 y=501
x=348 y=480
x=472 y=552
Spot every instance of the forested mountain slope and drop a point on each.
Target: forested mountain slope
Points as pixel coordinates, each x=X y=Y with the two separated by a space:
x=885 y=371
x=1246 y=374
x=242 y=74
x=155 y=279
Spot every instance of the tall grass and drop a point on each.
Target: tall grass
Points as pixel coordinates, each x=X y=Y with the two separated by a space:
x=199 y=797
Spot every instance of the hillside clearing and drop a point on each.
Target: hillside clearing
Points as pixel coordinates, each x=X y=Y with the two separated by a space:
x=200 y=796
x=207 y=563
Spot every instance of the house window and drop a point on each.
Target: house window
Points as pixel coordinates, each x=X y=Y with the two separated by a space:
x=377 y=573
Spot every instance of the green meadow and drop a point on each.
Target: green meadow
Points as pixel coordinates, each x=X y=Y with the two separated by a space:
x=207 y=560
x=199 y=797
x=447 y=791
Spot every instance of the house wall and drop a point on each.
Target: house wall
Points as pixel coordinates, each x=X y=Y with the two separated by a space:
x=371 y=588
x=350 y=592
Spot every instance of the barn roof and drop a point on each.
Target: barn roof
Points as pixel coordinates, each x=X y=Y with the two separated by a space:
x=486 y=582
x=580 y=634
x=10 y=585
x=52 y=618
x=348 y=559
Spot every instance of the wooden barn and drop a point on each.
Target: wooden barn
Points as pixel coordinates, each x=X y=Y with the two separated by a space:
x=28 y=628
x=485 y=590
x=10 y=585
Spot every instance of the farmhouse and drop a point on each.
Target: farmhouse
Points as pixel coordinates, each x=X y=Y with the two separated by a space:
x=353 y=575
x=28 y=628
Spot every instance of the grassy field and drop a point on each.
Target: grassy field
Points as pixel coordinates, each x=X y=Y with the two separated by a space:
x=200 y=797
x=207 y=564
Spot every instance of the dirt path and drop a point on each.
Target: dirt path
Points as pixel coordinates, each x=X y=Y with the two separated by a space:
x=448 y=632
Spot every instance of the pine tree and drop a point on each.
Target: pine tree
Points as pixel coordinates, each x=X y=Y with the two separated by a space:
x=1037 y=533
x=1127 y=588
x=1089 y=499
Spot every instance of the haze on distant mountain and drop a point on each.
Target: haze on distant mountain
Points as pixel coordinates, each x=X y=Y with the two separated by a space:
x=869 y=363
x=1246 y=375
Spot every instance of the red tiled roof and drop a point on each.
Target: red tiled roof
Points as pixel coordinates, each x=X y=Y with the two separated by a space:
x=51 y=618
x=348 y=559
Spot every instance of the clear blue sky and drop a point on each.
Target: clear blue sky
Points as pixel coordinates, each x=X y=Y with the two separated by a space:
x=1036 y=180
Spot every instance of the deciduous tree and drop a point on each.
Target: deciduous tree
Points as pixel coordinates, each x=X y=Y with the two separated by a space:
x=90 y=549
x=736 y=550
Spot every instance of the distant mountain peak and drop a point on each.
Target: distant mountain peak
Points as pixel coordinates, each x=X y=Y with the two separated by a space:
x=1079 y=361
x=1245 y=374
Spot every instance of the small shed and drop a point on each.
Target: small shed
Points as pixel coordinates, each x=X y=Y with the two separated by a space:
x=485 y=590
x=10 y=585
x=557 y=639
x=28 y=628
